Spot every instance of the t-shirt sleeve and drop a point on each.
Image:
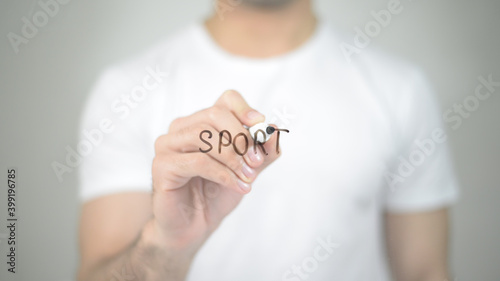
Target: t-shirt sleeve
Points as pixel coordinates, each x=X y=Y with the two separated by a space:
x=420 y=176
x=114 y=145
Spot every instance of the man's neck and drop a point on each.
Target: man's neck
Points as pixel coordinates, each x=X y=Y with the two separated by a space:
x=261 y=33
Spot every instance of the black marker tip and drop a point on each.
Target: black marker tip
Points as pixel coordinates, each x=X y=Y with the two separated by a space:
x=270 y=130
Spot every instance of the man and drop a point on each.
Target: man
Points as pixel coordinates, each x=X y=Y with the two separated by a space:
x=357 y=190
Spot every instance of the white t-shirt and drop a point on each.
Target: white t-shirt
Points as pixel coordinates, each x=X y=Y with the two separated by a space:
x=365 y=137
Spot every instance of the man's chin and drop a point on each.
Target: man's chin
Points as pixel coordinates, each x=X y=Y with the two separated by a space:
x=267 y=4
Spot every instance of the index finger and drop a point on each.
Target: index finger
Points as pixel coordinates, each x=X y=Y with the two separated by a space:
x=234 y=102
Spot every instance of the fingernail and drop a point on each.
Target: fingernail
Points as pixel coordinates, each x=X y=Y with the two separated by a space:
x=254 y=115
x=244 y=186
x=255 y=156
x=247 y=171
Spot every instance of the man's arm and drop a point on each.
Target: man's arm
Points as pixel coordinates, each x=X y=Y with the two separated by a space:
x=417 y=245
x=117 y=242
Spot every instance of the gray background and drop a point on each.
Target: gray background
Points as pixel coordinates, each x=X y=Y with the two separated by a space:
x=43 y=88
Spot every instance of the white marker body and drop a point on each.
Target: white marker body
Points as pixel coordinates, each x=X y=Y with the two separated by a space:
x=260 y=136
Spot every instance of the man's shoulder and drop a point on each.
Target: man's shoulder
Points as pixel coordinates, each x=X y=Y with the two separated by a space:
x=163 y=55
x=371 y=62
x=392 y=80
x=151 y=66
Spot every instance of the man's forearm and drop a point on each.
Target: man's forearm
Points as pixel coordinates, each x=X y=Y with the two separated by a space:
x=143 y=260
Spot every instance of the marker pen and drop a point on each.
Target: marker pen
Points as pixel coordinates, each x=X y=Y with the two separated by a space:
x=266 y=128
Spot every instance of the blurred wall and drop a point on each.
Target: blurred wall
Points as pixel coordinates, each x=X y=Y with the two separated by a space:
x=44 y=84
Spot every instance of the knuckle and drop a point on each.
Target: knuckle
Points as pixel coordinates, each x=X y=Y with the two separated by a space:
x=158 y=165
x=184 y=131
x=196 y=129
x=154 y=166
x=160 y=143
x=196 y=160
x=230 y=94
x=178 y=163
x=175 y=124
x=215 y=113
x=162 y=173
x=202 y=126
